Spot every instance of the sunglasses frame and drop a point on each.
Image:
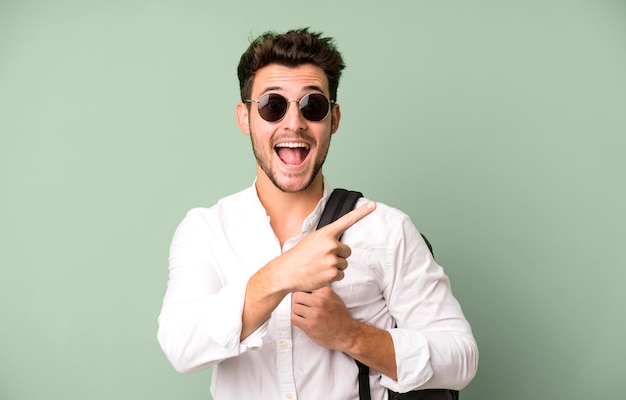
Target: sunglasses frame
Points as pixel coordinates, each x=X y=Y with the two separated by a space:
x=300 y=106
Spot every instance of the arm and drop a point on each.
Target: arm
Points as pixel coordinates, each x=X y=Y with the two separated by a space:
x=434 y=344
x=199 y=322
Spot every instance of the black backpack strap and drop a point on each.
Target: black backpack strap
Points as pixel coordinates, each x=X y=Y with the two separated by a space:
x=364 y=381
x=430 y=247
x=340 y=202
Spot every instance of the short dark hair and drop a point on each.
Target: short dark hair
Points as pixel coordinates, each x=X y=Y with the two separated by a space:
x=291 y=49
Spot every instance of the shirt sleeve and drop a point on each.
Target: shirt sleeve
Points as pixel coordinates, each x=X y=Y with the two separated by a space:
x=196 y=299
x=433 y=341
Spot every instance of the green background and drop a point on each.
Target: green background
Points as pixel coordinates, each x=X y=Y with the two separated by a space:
x=498 y=126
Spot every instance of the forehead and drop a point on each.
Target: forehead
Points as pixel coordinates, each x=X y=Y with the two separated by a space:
x=290 y=80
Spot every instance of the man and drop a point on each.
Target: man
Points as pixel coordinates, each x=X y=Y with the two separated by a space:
x=280 y=310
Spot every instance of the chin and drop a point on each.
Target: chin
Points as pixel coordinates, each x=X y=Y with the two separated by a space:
x=293 y=188
x=292 y=185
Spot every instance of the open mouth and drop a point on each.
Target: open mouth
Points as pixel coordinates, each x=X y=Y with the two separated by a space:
x=292 y=153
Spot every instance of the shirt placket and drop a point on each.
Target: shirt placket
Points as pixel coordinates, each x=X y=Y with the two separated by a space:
x=284 y=342
x=284 y=351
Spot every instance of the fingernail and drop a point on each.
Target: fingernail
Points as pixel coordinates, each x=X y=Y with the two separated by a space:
x=371 y=205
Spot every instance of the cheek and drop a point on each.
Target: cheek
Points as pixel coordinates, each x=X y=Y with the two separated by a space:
x=261 y=138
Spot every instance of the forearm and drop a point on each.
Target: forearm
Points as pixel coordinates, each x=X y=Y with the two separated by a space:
x=373 y=347
x=263 y=295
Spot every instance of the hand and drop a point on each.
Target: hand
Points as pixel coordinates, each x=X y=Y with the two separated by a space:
x=320 y=258
x=324 y=317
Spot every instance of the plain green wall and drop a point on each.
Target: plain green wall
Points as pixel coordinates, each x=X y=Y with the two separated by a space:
x=498 y=126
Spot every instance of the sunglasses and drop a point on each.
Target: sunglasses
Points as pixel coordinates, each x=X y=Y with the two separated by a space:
x=273 y=106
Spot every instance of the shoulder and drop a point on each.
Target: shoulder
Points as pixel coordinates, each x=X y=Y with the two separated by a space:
x=385 y=215
x=234 y=203
x=383 y=227
x=226 y=209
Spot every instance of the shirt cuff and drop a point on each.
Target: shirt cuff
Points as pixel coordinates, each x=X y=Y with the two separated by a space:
x=255 y=340
x=412 y=360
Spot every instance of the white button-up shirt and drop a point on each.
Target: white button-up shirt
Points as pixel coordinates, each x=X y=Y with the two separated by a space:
x=391 y=280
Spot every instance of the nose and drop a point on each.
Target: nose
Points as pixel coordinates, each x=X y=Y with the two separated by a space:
x=293 y=119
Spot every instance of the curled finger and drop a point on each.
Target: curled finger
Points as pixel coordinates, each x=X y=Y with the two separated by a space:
x=342 y=264
x=340 y=274
x=343 y=250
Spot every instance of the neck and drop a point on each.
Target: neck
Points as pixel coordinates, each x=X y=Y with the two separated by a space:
x=287 y=210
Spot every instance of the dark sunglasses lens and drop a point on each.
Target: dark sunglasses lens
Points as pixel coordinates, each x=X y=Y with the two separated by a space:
x=272 y=107
x=314 y=107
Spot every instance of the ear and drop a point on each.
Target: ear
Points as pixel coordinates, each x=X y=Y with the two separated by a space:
x=243 y=118
x=335 y=115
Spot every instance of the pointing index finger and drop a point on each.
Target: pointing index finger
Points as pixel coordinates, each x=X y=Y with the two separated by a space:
x=338 y=227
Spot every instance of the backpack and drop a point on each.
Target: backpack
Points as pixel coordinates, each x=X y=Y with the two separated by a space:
x=340 y=202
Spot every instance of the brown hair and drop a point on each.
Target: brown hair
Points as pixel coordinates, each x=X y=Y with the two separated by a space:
x=293 y=48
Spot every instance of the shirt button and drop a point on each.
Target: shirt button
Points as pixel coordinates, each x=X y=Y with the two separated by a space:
x=289 y=396
x=284 y=345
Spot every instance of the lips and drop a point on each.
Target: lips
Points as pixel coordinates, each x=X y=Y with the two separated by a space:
x=292 y=153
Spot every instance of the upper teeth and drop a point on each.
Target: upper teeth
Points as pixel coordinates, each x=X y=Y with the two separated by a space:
x=291 y=144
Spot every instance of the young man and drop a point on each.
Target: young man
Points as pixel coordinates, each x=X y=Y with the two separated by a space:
x=280 y=310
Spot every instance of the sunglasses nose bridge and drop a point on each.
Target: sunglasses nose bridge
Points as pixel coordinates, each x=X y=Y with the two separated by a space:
x=293 y=115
